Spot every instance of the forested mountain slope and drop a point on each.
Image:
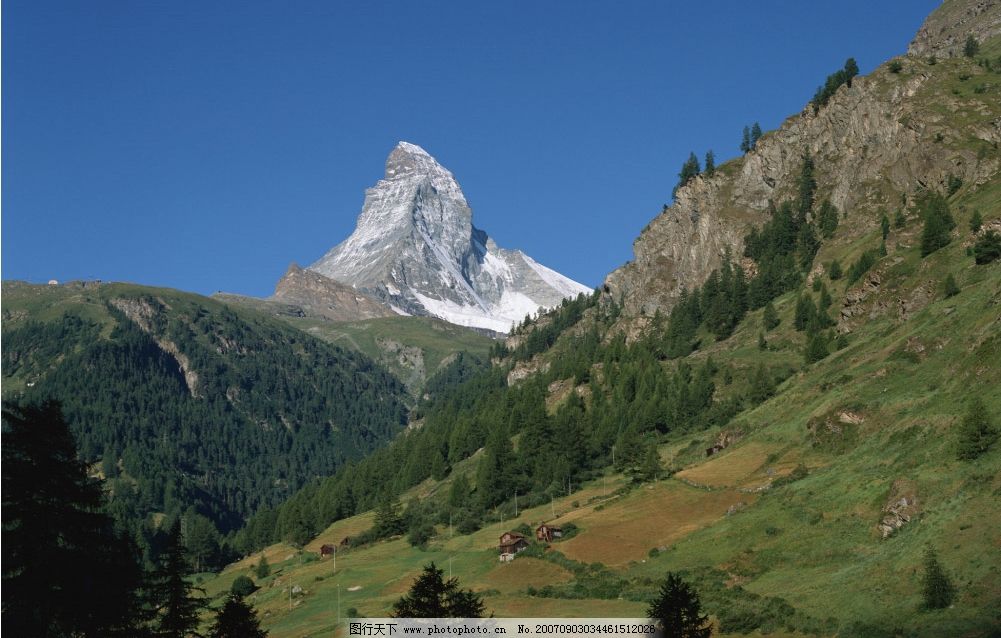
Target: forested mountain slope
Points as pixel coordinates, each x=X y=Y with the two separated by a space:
x=188 y=405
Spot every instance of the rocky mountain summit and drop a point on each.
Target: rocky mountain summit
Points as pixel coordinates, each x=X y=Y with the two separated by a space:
x=415 y=249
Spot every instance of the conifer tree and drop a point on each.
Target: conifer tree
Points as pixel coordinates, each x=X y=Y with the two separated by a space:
x=988 y=248
x=937 y=587
x=851 y=70
x=236 y=619
x=770 y=318
x=762 y=385
x=647 y=466
x=176 y=606
x=976 y=434
x=938 y=224
x=835 y=271
x=807 y=188
x=263 y=569
x=689 y=171
x=755 y=135
x=710 y=163
x=884 y=225
x=66 y=570
x=950 y=287
x=388 y=520
x=805 y=312
x=745 y=141
x=971 y=47
x=762 y=343
x=827 y=218
x=678 y=611
x=976 y=221
x=431 y=596
x=816 y=349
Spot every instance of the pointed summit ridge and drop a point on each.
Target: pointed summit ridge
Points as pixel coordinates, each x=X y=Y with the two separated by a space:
x=415 y=249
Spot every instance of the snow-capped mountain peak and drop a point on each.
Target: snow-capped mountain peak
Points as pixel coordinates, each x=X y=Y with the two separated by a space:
x=415 y=248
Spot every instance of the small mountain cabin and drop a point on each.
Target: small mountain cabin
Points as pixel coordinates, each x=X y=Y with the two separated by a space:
x=327 y=550
x=546 y=533
x=512 y=543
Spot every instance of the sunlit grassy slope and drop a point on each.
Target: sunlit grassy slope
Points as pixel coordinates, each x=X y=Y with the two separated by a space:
x=882 y=411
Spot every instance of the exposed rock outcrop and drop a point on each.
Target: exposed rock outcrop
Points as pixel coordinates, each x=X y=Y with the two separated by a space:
x=325 y=297
x=944 y=32
x=879 y=138
x=901 y=507
x=142 y=313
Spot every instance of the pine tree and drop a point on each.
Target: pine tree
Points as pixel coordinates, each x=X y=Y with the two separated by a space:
x=976 y=221
x=66 y=570
x=937 y=587
x=433 y=597
x=263 y=569
x=177 y=609
x=745 y=141
x=938 y=224
x=647 y=467
x=805 y=312
x=678 y=611
x=762 y=386
x=950 y=287
x=987 y=249
x=827 y=218
x=710 y=163
x=770 y=318
x=884 y=226
x=971 y=47
x=236 y=619
x=689 y=171
x=755 y=135
x=835 y=271
x=851 y=70
x=388 y=521
x=816 y=349
x=807 y=187
x=976 y=434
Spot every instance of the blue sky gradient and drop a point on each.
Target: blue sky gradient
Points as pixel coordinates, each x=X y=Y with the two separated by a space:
x=204 y=146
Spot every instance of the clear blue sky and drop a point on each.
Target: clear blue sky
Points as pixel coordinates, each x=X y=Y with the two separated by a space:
x=205 y=145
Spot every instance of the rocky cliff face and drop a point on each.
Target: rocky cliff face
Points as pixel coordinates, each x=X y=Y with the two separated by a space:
x=883 y=138
x=416 y=250
x=944 y=32
x=324 y=297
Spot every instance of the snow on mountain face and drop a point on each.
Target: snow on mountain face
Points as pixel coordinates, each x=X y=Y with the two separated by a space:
x=415 y=248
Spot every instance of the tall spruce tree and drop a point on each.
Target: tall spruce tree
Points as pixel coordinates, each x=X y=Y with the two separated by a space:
x=678 y=611
x=755 y=135
x=710 y=163
x=745 y=141
x=938 y=224
x=177 y=608
x=770 y=318
x=66 y=570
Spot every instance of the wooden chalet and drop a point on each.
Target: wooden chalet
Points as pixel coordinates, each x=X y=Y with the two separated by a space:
x=510 y=544
x=546 y=533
